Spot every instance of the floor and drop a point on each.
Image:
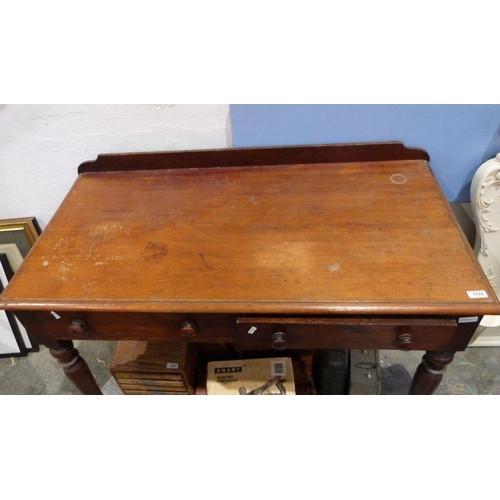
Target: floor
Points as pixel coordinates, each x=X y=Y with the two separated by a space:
x=474 y=371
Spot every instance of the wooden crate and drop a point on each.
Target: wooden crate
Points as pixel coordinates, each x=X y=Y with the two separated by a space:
x=155 y=367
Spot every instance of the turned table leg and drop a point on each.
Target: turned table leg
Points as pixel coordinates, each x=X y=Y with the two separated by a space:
x=74 y=366
x=430 y=372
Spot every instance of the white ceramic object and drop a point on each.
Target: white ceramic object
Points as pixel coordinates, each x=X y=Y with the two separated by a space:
x=485 y=204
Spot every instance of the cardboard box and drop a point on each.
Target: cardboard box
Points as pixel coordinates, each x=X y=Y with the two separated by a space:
x=265 y=376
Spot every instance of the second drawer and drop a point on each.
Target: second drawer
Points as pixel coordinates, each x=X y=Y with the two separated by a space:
x=346 y=333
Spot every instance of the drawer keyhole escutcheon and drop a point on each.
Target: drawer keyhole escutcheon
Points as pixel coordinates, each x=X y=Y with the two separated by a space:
x=188 y=328
x=279 y=341
x=77 y=327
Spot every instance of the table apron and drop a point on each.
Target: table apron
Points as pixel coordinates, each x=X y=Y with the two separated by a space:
x=252 y=331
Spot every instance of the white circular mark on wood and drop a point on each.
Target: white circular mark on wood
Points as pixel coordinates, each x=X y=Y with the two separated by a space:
x=45 y=263
x=398 y=178
x=334 y=267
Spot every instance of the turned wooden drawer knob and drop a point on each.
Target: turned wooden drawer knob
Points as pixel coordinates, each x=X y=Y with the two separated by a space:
x=188 y=328
x=406 y=341
x=279 y=341
x=77 y=327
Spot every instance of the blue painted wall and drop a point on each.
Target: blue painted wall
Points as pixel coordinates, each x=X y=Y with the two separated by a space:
x=458 y=138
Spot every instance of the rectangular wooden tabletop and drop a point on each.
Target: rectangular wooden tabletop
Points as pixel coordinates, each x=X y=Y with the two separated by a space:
x=351 y=238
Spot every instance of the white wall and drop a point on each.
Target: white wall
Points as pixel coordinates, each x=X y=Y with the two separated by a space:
x=42 y=145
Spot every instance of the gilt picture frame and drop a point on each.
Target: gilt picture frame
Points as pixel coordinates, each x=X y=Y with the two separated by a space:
x=17 y=236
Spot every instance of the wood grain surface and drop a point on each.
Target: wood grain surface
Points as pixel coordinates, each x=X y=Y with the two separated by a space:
x=354 y=237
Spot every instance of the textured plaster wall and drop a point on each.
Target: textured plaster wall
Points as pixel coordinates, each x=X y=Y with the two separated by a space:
x=42 y=145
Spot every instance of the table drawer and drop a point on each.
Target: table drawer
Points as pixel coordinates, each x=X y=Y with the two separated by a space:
x=347 y=333
x=45 y=326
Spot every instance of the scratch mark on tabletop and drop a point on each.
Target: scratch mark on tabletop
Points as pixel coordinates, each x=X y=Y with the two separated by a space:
x=205 y=262
x=90 y=252
x=272 y=209
x=295 y=211
x=86 y=286
x=106 y=230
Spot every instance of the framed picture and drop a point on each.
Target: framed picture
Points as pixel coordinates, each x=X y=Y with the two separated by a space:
x=17 y=236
